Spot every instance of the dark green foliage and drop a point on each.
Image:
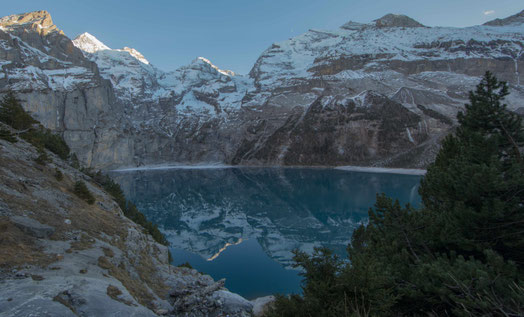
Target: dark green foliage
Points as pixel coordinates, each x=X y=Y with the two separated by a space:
x=74 y=161
x=130 y=210
x=8 y=136
x=435 y=114
x=58 y=175
x=12 y=113
x=42 y=157
x=136 y=216
x=461 y=254
x=44 y=138
x=82 y=192
x=477 y=181
x=186 y=264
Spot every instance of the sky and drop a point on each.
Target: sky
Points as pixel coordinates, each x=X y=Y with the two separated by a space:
x=233 y=33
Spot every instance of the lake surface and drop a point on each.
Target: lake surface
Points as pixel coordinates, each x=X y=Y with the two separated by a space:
x=242 y=223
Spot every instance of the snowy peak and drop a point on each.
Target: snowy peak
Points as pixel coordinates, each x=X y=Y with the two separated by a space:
x=37 y=20
x=136 y=54
x=88 y=43
x=397 y=20
x=200 y=62
x=512 y=20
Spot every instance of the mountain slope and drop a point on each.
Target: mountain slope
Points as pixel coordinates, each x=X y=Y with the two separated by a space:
x=382 y=93
x=60 y=256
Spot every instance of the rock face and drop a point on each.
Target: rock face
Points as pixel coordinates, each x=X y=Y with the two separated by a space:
x=380 y=94
x=62 y=89
x=60 y=256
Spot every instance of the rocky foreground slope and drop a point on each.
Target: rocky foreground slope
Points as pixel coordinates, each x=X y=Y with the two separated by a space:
x=60 y=256
x=382 y=93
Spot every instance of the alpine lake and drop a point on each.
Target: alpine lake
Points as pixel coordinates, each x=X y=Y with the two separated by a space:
x=243 y=223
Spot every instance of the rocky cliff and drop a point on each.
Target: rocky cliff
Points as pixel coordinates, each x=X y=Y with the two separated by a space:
x=60 y=256
x=382 y=93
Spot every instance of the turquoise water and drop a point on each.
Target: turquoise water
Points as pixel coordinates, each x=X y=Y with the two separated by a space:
x=242 y=223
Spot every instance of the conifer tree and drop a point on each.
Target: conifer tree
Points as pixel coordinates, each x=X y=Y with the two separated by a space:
x=12 y=113
x=476 y=185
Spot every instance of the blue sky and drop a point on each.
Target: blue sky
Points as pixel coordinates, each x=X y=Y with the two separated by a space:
x=233 y=33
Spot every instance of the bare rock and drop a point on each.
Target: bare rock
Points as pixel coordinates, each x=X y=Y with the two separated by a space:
x=32 y=227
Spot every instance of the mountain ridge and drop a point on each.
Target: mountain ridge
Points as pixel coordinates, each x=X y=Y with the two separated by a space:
x=301 y=103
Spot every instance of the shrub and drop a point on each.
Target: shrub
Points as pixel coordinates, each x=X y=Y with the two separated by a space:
x=58 y=175
x=13 y=114
x=186 y=264
x=136 y=216
x=42 y=137
x=8 y=136
x=42 y=158
x=129 y=209
x=74 y=161
x=82 y=192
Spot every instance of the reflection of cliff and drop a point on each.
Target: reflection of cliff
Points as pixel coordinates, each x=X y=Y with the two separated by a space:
x=202 y=211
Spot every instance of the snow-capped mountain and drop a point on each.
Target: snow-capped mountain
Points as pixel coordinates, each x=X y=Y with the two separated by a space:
x=381 y=93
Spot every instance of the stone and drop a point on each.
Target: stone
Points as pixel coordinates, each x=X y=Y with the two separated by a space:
x=32 y=227
x=232 y=303
x=262 y=304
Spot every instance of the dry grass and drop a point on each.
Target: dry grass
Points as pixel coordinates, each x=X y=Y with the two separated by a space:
x=18 y=248
x=84 y=243
x=145 y=270
x=108 y=252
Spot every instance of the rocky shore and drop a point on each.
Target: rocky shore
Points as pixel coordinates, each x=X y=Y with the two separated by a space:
x=60 y=256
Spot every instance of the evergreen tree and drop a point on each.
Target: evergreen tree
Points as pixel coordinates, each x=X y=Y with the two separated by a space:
x=476 y=185
x=12 y=113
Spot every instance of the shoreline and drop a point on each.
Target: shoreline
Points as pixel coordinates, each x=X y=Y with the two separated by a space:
x=386 y=170
x=349 y=168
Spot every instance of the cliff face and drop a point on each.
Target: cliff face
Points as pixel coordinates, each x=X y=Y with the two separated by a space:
x=382 y=94
x=62 y=89
x=60 y=256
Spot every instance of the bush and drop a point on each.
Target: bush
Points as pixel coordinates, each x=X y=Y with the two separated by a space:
x=8 y=136
x=82 y=192
x=42 y=137
x=74 y=161
x=136 y=216
x=129 y=209
x=42 y=158
x=58 y=175
x=13 y=114
x=186 y=265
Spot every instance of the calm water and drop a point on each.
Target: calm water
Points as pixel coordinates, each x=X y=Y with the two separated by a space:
x=242 y=223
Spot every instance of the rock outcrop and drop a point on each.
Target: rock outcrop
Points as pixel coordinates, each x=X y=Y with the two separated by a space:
x=380 y=94
x=62 y=89
x=60 y=256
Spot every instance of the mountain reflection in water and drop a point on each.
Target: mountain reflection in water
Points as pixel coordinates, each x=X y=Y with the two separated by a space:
x=213 y=214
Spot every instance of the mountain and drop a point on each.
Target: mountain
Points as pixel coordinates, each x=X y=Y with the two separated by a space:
x=381 y=93
x=63 y=89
